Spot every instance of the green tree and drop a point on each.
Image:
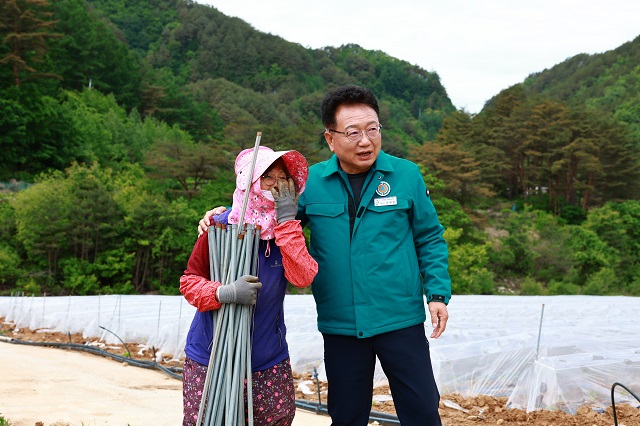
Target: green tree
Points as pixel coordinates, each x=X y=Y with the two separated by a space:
x=618 y=225
x=169 y=98
x=93 y=214
x=619 y=157
x=447 y=158
x=91 y=55
x=158 y=238
x=39 y=134
x=25 y=28
x=591 y=255
x=544 y=127
x=139 y=23
x=176 y=157
x=468 y=266
x=12 y=129
x=498 y=142
x=514 y=255
x=42 y=222
x=10 y=261
x=104 y=132
x=553 y=259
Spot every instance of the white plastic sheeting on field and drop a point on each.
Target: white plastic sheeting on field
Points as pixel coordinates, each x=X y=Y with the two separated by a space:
x=547 y=352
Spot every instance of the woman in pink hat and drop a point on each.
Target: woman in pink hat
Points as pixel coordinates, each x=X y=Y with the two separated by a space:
x=278 y=178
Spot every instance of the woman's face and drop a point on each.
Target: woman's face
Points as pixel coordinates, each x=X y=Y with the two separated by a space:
x=272 y=176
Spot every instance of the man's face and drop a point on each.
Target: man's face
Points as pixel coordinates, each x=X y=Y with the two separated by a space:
x=354 y=157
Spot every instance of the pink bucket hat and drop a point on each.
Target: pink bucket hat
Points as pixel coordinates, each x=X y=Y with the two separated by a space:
x=261 y=211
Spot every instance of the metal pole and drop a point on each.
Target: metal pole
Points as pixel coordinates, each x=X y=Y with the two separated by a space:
x=539 y=332
x=232 y=254
x=250 y=179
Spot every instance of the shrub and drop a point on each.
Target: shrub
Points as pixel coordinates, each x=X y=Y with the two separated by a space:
x=531 y=287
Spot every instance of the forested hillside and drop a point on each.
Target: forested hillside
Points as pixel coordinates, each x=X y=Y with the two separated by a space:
x=607 y=82
x=119 y=123
x=257 y=80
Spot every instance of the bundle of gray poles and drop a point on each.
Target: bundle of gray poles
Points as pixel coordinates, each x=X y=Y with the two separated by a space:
x=233 y=252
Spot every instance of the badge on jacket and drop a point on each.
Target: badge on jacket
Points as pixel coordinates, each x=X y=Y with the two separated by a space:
x=383 y=189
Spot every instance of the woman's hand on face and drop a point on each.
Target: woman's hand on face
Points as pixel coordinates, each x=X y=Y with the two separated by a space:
x=286 y=200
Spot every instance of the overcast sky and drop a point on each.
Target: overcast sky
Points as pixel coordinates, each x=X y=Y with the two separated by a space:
x=478 y=48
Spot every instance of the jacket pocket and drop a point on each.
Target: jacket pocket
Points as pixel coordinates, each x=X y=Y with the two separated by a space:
x=327 y=210
x=389 y=222
x=329 y=227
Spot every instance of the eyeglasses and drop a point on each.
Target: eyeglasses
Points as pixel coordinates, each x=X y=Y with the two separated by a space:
x=271 y=180
x=355 y=136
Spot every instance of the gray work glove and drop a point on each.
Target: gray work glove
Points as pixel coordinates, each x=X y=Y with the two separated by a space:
x=243 y=291
x=286 y=200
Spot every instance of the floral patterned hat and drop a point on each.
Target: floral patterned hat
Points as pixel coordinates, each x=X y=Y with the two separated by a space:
x=261 y=211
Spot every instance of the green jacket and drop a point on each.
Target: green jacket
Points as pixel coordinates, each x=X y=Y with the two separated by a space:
x=373 y=282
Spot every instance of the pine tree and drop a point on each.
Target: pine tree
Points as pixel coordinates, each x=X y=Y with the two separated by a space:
x=25 y=28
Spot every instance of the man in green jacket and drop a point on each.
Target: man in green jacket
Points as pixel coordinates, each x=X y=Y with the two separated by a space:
x=379 y=246
x=378 y=242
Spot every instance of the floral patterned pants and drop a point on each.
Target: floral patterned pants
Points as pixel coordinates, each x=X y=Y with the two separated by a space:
x=273 y=394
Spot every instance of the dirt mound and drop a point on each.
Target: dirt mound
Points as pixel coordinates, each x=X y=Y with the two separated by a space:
x=456 y=410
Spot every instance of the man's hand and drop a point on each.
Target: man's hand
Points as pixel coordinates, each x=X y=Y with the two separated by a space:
x=243 y=291
x=203 y=225
x=286 y=200
x=439 y=317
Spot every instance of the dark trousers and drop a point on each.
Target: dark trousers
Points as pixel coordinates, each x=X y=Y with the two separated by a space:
x=404 y=357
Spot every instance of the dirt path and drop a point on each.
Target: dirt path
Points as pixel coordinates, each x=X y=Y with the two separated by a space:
x=68 y=387
x=53 y=387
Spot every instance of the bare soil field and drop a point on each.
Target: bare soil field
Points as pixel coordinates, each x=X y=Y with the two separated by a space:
x=454 y=409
